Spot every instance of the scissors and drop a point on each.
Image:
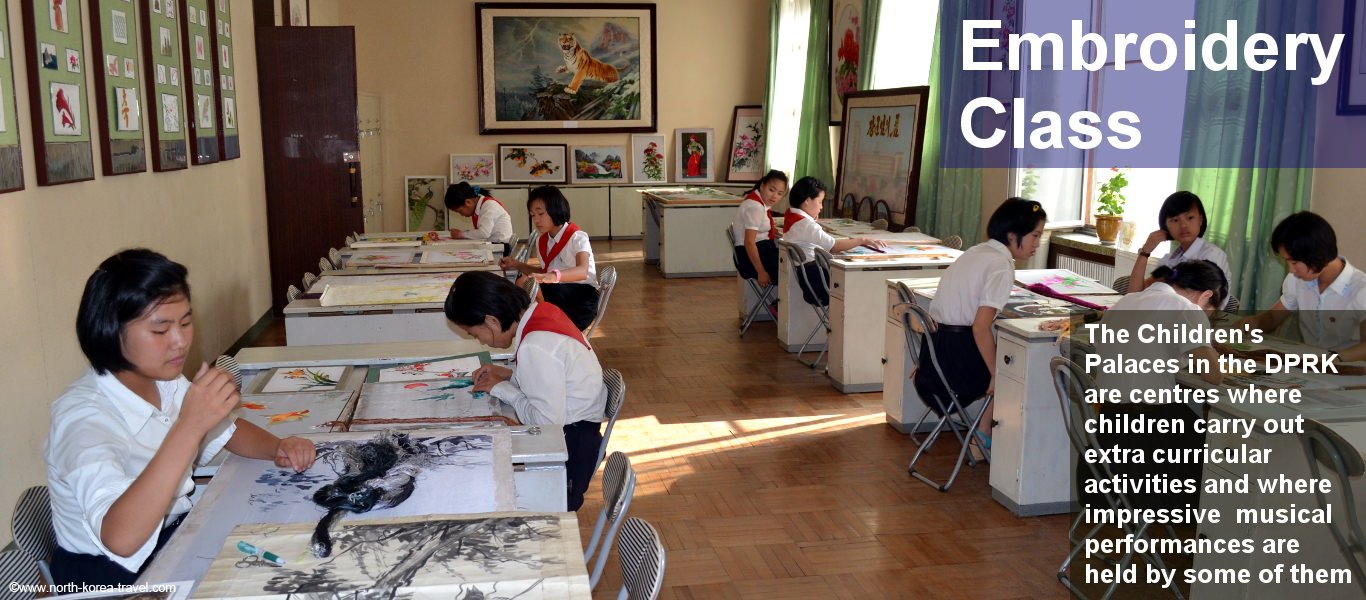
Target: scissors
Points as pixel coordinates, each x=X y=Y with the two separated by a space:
x=251 y=561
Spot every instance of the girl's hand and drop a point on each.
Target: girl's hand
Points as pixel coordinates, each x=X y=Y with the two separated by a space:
x=457 y=234
x=1154 y=240
x=295 y=453
x=487 y=376
x=211 y=397
x=879 y=244
x=507 y=262
x=764 y=281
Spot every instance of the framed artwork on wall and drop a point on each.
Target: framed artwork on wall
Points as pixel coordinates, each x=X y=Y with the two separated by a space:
x=57 y=89
x=649 y=159
x=846 y=27
x=11 y=155
x=880 y=144
x=477 y=169
x=545 y=68
x=426 y=196
x=694 y=151
x=1352 y=78
x=522 y=163
x=745 y=161
x=599 y=164
x=224 y=75
x=118 y=92
x=202 y=111
x=162 y=56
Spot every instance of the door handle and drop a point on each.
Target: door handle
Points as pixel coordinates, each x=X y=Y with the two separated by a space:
x=352 y=160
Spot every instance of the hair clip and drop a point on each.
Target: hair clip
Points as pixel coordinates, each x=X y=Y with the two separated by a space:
x=1036 y=207
x=478 y=191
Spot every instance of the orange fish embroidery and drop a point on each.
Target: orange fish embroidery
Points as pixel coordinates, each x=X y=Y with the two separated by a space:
x=296 y=415
x=413 y=386
x=253 y=406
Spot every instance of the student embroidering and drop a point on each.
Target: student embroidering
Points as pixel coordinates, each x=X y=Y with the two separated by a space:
x=491 y=219
x=801 y=226
x=567 y=275
x=125 y=435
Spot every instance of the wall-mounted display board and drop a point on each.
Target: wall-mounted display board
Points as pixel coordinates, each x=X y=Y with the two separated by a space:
x=56 y=84
x=224 y=66
x=163 y=58
x=11 y=156
x=195 y=31
x=118 y=86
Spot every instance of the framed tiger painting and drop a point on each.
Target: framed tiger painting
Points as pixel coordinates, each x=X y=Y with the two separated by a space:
x=548 y=68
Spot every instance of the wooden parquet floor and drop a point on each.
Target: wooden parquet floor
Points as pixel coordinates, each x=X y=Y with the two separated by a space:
x=766 y=483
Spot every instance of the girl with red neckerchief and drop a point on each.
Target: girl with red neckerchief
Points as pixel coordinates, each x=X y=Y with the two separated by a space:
x=567 y=275
x=756 y=250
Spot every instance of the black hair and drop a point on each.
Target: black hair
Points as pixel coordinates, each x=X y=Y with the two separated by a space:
x=457 y=194
x=556 y=205
x=1180 y=203
x=1017 y=216
x=124 y=288
x=1307 y=238
x=770 y=176
x=477 y=294
x=806 y=188
x=1197 y=276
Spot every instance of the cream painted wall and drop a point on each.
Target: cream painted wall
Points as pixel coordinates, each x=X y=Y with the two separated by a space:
x=211 y=218
x=419 y=56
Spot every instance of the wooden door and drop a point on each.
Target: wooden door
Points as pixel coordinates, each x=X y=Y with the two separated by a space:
x=310 y=145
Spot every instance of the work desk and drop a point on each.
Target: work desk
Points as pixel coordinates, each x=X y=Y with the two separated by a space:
x=683 y=231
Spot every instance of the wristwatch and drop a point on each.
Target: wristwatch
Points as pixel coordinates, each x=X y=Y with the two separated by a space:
x=1145 y=253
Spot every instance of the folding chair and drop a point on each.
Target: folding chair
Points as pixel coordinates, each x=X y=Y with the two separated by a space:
x=848 y=206
x=953 y=411
x=618 y=485
x=797 y=259
x=32 y=528
x=325 y=265
x=291 y=293
x=882 y=214
x=1071 y=382
x=228 y=364
x=912 y=340
x=523 y=254
x=350 y=240
x=863 y=211
x=616 y=396
x=953 y=241
x=607 y=280
x=764 y=295
x=1121 y=284
x=309 y=280
x=334 y=255
x=532 y=287
x=642 y=560
x=17 y=567
x=1325 y=448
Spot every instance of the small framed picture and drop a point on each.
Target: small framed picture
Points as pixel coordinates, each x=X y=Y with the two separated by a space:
x=73 y=61
x=745 y=161
x=694 y=148
x=175 y=76
x=194 y=75
x=129 y=70
x=599 y=164
x=156 y=6
x=118 y=23
x=48 y=56
x=476 y=169
x=111 y=65
x=649 y=159
x=161 y=74
x=544 y=163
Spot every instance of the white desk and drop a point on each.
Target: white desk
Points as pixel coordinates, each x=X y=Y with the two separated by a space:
x=858 y=314
x=683 y=231
x=308 y=323
x=270 y=357
x=1031 y=470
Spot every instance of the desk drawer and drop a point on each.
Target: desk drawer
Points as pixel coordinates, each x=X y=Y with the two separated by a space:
x=1011 y=358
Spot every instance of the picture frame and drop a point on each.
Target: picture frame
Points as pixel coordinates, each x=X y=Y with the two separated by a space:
x=426 y=202
x=882 y=128
x=11 y=153
x=201 y=104
x=846 y=21
x=649 y=159
x=533 y=163
x=694 y=151
x=162 y=50
x=598 y=164
x=745 y=159
x=294 y=13
x=62 y=137
x=225 y=98
x=118 y=98
x=476 y=169
x=1352 y=77
x=526 y=85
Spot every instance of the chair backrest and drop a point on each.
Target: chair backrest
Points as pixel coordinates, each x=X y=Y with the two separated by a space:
x=954 y=241
x=797 y=259
x=1121 y=284
x=334 y=255
x=882 y=211
x=864 y=209
x=524 y=254
x=309 y=280
x=228 y=364
x=920 y=329
x=17 y=567
x=730 y=247
x=325 y=265
x=31 y=526
x=823 y=258
x=848 y=206
x=531 y=287
x=350 y=240
x=618 y=486
x=607 y=281
x=616 y=396
x=1071 y=382
x=1325 y=448
x=642 y=560
x=291 y=293
x=1232 y=305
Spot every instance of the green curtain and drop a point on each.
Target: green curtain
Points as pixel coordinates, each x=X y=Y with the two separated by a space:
x=775 y=10
x=950 y=199
x=1235 y=120
x=813 y=136
x=872 y=10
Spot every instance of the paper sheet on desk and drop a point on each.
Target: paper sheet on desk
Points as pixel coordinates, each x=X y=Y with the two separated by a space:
x=1328 y=400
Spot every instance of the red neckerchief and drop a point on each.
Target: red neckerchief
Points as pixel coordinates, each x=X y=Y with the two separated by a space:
x=772 y=231
x=481 y=205
x=790 y=218
x=548 y=317
x=548 y=254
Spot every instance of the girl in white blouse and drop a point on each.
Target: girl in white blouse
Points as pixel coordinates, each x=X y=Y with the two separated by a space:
x=1182 y=221
x=756 y=250
x=567 y=275
x=801 y=226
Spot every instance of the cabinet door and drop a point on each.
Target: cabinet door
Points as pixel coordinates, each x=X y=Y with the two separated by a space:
x=590 y=209
x=627 y=220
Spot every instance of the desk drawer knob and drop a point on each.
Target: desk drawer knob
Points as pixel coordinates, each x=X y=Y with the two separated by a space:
x=1007 y=359
x=884 y=360
x=835 y=284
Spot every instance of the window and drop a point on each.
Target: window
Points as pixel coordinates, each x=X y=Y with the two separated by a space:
x=905 y=43
x=789 y=74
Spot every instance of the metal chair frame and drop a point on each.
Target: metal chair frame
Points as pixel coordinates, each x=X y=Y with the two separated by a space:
x=797 y=258
x=308 y=281
x=325 y=265
x=618 y=486
x=32 y=528
x=607 y=281
x=228 y=364
x=616 y=397
x=291 y=293
x=17 y=566
x=1325 y=448
x=764 y=295
x=642 y=560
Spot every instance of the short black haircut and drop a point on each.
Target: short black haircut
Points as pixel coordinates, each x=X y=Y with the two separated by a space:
x=1307 y=238
x=806 y=188
x=556 y=205
x=457 y=194
x=125 y=287
x=1198 y=276
x=1180 y=203
x=1017 y=216
x=771 y=175
x=477 y=294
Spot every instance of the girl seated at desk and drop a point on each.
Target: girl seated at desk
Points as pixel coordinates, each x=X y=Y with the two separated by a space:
x=557 y=379
x=756 y=251
x=1328 y=292
x=801 y=226
x=567 y=275
x=491 y=219
x=125 y=435
x=1182 y=221
x=971 y=293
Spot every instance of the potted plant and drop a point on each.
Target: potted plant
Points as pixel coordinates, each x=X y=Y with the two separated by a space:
x=1110 y=209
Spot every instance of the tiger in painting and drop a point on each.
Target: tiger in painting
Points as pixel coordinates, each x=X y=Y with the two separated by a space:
x=582 y=65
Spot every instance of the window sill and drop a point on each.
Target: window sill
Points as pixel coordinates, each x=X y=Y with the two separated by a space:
x=1086 y=240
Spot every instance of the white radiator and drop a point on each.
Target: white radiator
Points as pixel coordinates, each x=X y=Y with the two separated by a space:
x=1098 y=271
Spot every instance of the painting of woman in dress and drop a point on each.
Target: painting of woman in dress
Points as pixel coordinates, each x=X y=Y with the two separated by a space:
x=695 y=152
